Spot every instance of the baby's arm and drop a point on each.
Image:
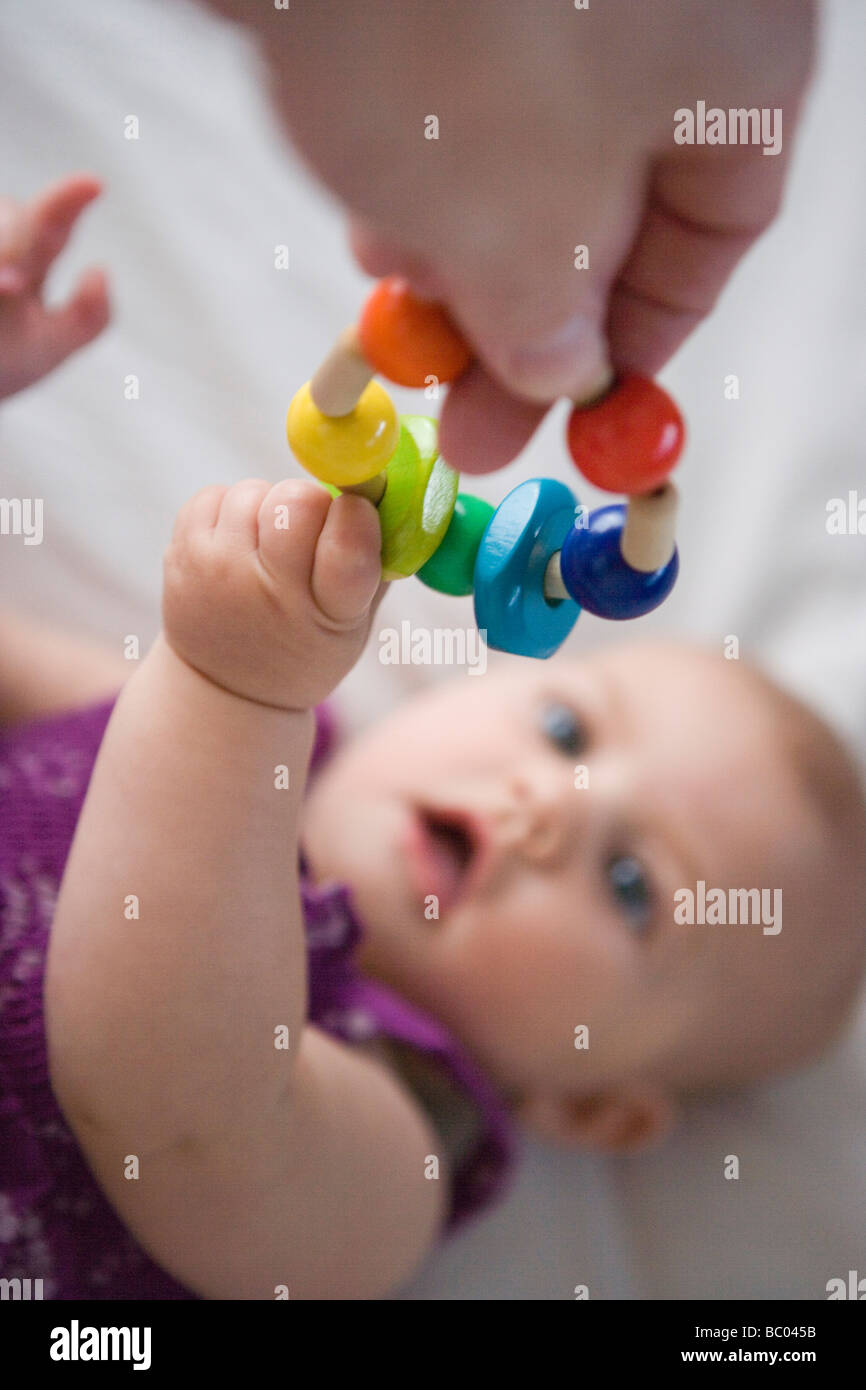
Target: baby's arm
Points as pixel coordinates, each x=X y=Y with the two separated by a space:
x=43 y=670
x=258 y=1166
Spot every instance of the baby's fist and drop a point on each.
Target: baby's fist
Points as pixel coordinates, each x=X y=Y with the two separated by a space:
x=270 y=590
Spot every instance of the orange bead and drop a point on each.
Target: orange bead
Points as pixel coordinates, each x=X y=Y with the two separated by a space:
x=408 y=339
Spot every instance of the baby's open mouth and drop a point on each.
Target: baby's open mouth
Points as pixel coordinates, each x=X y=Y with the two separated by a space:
x=442 y=849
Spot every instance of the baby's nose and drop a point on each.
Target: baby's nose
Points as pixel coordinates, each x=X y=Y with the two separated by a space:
x=532 y=819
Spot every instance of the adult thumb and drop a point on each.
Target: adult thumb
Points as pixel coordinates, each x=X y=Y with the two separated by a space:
x=538 y=322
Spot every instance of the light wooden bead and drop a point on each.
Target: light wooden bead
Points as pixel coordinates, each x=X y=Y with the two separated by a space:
x=649 y=534
x=373 y=489
x=339 y=383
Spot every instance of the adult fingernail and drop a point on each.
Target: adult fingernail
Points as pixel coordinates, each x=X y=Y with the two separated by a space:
x=571 y=362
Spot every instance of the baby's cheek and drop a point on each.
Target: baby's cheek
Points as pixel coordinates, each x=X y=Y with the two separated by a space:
x=527 y=984
x=460 y=727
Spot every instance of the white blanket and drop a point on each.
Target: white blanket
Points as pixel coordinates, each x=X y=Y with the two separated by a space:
x=219 y=339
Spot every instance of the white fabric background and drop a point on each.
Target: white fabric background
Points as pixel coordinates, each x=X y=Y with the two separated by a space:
x=220 y=340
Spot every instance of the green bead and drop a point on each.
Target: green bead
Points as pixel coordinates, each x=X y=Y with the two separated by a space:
x=451 y=568
x=419 y=499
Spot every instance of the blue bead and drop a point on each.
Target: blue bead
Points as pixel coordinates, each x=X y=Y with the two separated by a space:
x=528 y=526
x=598 y=578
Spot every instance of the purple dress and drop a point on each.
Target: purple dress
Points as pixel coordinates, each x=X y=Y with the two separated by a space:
x=55 y=1223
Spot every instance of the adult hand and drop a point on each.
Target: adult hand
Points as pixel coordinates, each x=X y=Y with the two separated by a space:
x=554 y=129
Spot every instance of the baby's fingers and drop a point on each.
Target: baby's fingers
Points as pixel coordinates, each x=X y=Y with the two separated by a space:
x=199 y=513
x=77 y=323
x=13 y=244
x=330 y=548
x=290 y=521
x=51 y=217
x=347 y=570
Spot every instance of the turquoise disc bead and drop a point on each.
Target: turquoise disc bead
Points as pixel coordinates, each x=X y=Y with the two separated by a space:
x=527 y=528
x=451 y=568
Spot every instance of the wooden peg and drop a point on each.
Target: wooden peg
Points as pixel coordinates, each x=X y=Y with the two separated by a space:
x=649 y=534
x=339 y=382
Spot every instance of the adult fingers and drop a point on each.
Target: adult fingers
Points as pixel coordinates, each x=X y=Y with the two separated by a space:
x=703 y=214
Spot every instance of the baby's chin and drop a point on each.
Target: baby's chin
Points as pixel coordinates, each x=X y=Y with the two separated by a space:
x=351 y=836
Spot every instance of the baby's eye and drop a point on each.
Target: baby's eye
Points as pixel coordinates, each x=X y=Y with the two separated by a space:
x=631 y=890
x=563 y=728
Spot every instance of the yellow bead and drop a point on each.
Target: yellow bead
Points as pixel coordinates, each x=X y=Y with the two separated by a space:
x=344 y=449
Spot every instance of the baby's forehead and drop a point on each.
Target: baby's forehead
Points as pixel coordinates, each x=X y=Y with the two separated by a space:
x=686 y=710
x=663 y=663
x=705 y=730
x=678 y=680
x=659 y=683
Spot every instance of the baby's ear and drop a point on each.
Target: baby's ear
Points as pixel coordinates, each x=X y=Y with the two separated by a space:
x=620 y=1120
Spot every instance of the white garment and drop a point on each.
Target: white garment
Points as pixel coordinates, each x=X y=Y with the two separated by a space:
x=219 y=340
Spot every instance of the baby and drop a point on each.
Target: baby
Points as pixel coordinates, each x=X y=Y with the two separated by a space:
x=294 y=1003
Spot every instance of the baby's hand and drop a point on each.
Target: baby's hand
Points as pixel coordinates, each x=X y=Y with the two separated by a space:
x=270 y=590
x=33 y=339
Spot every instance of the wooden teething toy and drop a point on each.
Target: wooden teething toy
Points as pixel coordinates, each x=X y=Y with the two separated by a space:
x=539 y=557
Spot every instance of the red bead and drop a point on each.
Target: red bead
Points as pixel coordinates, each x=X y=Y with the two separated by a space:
x=629 y=440
x=408 y=339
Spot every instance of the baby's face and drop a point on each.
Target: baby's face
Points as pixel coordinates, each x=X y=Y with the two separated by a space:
x=514 y=842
